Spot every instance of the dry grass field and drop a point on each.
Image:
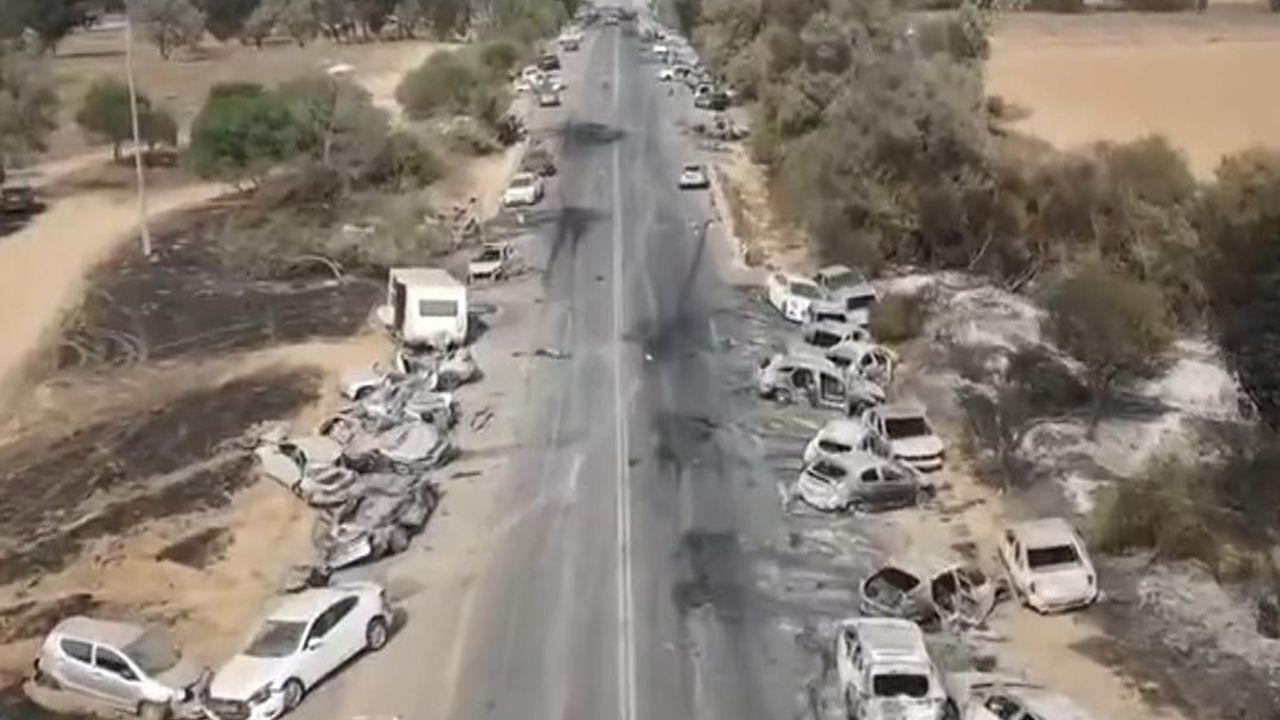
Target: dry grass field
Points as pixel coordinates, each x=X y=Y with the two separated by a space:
x=1202 y=80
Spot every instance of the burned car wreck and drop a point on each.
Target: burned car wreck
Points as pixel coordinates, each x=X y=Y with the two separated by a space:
x=380 y=521
x=954 y=595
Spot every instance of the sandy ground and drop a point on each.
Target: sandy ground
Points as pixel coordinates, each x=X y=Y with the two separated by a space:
x=764 y=239
x=1200 y=80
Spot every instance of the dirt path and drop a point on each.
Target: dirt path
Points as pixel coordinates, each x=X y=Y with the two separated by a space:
x=43 y=266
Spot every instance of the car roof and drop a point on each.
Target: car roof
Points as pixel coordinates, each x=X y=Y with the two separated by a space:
x=1049 y=705
x=813 y=361
x=304 y=606
x=891 y=639
x=419 y=276
x=901 y=410
x=843 y=429
x=854 y=462
x=835 y=326
x=107 y=632
x=1045 y=531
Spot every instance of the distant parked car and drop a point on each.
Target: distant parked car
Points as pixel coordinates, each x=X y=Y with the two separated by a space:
x=539 y=161
x=694 y=177
x=296 y=645
x=666 y=74
x=983 y=696
x=129 y=667
x=1048 y=565
x=791 y=295
x=525 y=189
x=885 y=672
x=493 y=262
x=549 y=62
x=549 y=98
x=906 y=427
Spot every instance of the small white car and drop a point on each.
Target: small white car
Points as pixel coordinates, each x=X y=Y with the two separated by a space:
x=984 y=696
x=694 y=177
x=493 y=262
x=858 y=480
x=842 y=437
x=525 y=189
x=1048 y=565
x=910 y=436
x=885 y=672
x=300 y=642
x=864 y=359
x=791 y=295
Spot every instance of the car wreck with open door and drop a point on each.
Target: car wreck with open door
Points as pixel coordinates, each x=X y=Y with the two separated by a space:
x=810 y=378
x=952 y=594
x=859 y=481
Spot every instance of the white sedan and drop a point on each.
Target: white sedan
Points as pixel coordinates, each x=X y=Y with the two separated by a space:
x=792 y=295
x=1048 y=565
x=301 y=641
x=694 y=177
x=525 y=189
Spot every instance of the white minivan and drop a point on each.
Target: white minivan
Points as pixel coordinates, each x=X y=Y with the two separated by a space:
x=426 y=306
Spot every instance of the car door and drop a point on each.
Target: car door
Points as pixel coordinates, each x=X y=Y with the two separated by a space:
x=1010 y=550
x=114 y=678
x=76 y=664
x=320 y=656
x=831 y=391
x=348 y=630
x=776 y=288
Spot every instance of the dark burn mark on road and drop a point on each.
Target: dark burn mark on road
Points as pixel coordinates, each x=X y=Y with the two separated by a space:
x=713 y=560
x=681 y=438
x=579 y=134
x=572 y=225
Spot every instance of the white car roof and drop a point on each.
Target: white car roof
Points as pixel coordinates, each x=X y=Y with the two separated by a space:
x=901 y=410
x=107 y=632
x=843 y=429
x=833 y=326
x=424 y=276
x=1044 y=532
x=854 y=463
x=891 y=640
x=836 y=269
x=809 y=359
x=305 y=605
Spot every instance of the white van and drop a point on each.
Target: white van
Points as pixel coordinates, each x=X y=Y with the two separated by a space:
x=427 y=306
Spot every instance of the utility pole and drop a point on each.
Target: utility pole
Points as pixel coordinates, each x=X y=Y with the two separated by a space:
x=137 y=136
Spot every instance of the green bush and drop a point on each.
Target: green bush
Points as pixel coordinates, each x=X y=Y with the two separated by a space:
x=898 y=318
x=454 y=83
x=500 y=56
x=242 y=132
x=1163 y=510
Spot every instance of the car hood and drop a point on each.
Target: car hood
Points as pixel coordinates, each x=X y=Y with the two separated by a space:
x=1066 y=584
x=180 y=676
x=242 y=676
x=923 y=446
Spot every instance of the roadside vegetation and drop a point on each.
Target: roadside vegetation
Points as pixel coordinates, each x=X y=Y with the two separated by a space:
x=880 y=141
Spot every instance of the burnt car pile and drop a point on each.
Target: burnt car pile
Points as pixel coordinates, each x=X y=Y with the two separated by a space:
x=874 y=455
x=368 y=468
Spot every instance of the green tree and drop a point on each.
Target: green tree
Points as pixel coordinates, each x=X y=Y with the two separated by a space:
x=225 y=19
x=241 y=133
x=1116 y=327
x=50 y=20
x=105 y=113
x=339 y=125
x=158 y=127
x=169 y=24
x=28 y=103
x=453 y=83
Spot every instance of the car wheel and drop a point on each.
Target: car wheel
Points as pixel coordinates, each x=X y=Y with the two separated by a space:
x=153 y=711
x=375 y=634
x=293 y=692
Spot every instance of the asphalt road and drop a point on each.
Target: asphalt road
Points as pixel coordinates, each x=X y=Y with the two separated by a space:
x=621 y=589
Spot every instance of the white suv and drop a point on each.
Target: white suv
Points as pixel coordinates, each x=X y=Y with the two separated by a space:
x=885 y=671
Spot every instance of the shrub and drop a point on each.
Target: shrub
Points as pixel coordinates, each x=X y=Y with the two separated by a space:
x=1116 y=327
x=454 y=83
x=1163 y=510
x=500 y=56
x=242 y=132
x=897 y=318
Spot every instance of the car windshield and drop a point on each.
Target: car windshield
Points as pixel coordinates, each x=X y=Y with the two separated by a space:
x=693 y=169
x=153 y=652
x=522 y=181
x=827 y=470
x=1043 y=557
x=490 y=255
x=900 y=684
x=804 y=290
x=824 y=339
x=438 y=308
x=832 y=446
x=861 y=302
x=842 y=278
x=276 y=639
x=907 y=427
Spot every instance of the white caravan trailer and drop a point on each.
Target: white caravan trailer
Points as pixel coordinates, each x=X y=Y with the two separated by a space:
x=427 y=306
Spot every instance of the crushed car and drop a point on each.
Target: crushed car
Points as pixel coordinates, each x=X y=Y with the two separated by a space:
x=381 y=521
x=864 y=359
x=793 y=378
x=955 y=595
x=309 y=466
x=406 y=448
x=129 y=667
x=858 y=481
x=792 y=296
x=826 y=334
x=986 y=696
